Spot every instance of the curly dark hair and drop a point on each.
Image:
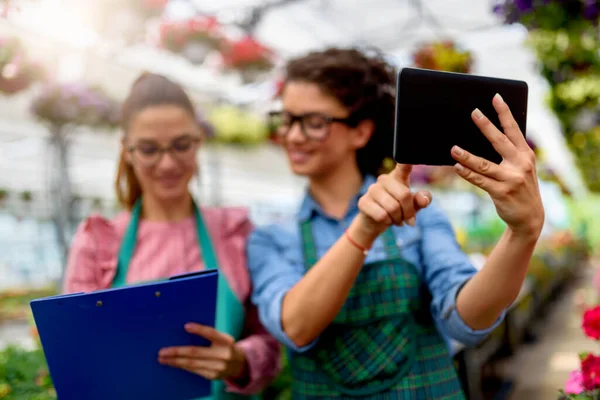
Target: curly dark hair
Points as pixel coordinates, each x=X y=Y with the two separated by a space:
x=364 y=82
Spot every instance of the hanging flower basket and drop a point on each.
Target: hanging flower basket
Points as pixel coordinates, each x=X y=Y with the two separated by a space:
x=443 y=56
x=249 y=58
x=194 y=39
x=76 y=104
x=17 y=72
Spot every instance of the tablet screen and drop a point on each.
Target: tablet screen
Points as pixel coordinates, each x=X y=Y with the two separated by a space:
x=433 y=113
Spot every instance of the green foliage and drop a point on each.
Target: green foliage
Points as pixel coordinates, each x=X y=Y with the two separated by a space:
x=590 y=395
x=24 y=375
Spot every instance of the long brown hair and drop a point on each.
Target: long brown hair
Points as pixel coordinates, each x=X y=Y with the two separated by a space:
x=147 y=91
x=364 y=82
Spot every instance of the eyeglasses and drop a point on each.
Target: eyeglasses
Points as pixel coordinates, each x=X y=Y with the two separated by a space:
x=315 y=126
x=149 y=153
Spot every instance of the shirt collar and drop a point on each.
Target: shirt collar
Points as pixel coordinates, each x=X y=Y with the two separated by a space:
x=310 y=207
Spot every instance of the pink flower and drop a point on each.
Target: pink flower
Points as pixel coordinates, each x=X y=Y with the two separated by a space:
x=574 y=384
x=590 y=372
x=591 y=323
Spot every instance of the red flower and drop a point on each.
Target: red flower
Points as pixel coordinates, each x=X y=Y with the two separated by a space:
x=591 y=323
x=590 y=369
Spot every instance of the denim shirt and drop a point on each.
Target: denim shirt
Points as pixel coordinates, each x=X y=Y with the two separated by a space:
x=276 y=264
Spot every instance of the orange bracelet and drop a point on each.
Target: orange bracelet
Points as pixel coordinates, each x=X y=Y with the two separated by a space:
x=364 y=250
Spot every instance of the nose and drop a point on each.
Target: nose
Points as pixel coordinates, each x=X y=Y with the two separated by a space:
x=167 y=161
x=295 y=134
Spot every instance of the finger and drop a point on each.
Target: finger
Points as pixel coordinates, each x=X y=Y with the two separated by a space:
x=479 y=164
x=212 y=367
x=421 y=200
x=389 y=203
x=402 y=173
x=207 y=374
x=488 y=184
x=509 y=125
x=500 y=141
x=374 y=211
x=404 y=196
x=191 y=352
x=209 y=333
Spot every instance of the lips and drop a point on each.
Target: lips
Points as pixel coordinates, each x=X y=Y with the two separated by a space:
x=297 y=156
x=169 y=181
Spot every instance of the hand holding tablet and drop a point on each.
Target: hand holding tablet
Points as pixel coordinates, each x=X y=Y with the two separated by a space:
x=455 y=119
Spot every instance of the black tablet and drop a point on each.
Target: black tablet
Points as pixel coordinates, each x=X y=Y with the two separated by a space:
x=433 y=113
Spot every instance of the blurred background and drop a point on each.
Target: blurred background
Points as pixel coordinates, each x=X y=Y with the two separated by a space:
x=66 y=65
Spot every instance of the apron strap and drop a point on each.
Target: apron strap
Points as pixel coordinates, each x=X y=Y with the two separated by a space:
x=127 y=246
x=390 y=244
x=309 y=248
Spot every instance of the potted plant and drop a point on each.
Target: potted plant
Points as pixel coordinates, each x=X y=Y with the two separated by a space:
x=3 y=196
x=247 y=57
x=194 y=39
x=75 y=104
x=97 y=204
x=26 y=196
x=443 y=56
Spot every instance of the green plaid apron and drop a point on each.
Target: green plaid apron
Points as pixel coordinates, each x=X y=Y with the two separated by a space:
x=383 y=344
x=230 y=313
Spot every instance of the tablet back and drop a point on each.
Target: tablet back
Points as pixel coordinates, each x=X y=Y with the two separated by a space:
x=433 y=113
x=104 y=345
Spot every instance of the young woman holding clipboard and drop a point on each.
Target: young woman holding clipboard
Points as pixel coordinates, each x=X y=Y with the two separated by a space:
x=360 y=283
x=165 y=233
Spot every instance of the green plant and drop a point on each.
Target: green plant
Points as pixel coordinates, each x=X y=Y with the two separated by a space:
x=24 y=375
x=97 y=203
x=26 y=196
x=3 y=194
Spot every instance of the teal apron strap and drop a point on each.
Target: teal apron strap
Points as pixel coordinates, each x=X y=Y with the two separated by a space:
x=390 y=244
x=127 y=246
x=309 y=248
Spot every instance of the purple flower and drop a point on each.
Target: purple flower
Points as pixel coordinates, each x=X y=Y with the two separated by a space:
x=590 y=10
x=524 y=5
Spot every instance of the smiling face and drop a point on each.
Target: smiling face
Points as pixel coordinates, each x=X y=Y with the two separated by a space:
x=325 y=146
x=164 y=175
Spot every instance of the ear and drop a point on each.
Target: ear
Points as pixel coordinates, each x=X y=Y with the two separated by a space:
x=362 y=133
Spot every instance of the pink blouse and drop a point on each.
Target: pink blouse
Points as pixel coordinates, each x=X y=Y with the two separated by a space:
x=164 y=249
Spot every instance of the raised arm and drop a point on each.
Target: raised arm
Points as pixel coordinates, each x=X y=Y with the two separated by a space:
x=513 y=187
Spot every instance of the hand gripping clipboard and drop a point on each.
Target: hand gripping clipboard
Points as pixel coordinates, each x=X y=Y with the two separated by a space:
x=104 y=345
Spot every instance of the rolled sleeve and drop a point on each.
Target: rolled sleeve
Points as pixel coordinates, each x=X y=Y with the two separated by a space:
x=456 y=327
x=272 y=277
x=447 y=270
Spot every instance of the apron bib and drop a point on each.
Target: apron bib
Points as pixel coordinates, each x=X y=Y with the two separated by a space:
x=230 y=313
x=383 y=344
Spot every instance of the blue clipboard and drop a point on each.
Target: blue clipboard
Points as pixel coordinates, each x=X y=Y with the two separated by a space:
x=104 y=345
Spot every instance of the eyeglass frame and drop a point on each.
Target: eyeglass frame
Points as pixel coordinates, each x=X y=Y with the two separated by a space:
x=350 y=121
x=164 y=149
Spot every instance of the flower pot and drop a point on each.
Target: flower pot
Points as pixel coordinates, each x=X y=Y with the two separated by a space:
x=251 y=75
x=196 y=51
